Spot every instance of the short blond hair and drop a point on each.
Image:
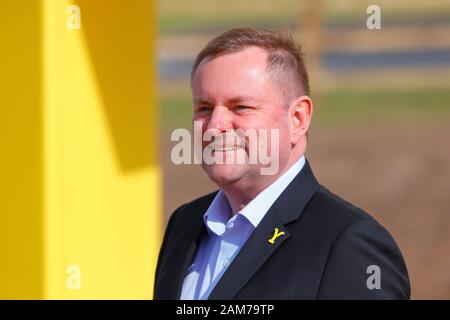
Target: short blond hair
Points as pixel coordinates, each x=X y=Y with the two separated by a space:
x=284 y=62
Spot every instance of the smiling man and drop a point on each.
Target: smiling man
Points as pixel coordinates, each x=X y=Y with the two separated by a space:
x=267 y=236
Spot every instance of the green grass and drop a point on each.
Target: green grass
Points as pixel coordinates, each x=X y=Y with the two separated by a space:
x=176 y=112
x=173 y=24
x=184 y=24
x=383 y=106
x=340 y=107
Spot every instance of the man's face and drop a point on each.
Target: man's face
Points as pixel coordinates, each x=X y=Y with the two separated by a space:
x=234 y=91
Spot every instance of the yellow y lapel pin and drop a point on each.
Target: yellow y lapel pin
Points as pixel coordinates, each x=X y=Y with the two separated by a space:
x=276 y=234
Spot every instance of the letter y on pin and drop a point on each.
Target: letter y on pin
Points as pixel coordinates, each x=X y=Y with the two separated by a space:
x=276 y=234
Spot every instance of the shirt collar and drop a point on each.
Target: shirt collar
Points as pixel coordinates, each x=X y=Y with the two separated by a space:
x=255 y=210
x=219 y=212
x=217 y=215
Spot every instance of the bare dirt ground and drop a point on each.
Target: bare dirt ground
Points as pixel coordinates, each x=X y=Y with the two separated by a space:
x=400 y=174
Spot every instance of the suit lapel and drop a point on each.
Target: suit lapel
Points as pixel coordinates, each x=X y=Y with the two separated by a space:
x=251 y=257
x=257 y=249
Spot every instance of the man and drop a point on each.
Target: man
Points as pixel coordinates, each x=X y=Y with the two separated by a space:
x=268 y=236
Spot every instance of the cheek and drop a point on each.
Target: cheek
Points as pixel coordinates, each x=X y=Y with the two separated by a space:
x=281 y=124
x=284 y=134
x=255 y=122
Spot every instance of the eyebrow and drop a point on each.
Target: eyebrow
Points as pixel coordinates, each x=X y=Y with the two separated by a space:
x=235 y=100
x=201 y=101
x=240 y=99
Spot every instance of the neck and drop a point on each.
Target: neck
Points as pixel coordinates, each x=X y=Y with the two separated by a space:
x=238 y=198
x=241 y=192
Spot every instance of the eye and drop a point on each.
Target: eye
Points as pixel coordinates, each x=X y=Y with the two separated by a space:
x=241 y=107
x=204 y=108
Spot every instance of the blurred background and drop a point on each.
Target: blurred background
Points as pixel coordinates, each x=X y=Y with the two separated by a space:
x=80 y=160
x=381 y=128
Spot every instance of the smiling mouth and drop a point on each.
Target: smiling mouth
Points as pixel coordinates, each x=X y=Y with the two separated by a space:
x=224 y=149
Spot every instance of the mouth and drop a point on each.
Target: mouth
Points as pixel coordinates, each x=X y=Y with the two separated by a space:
x=218 y=147
x=224 y=149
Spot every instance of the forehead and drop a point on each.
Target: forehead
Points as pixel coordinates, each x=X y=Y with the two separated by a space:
x=236 y=73
x=251 y=55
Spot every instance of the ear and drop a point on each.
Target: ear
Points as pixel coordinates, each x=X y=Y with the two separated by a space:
x=300 y=114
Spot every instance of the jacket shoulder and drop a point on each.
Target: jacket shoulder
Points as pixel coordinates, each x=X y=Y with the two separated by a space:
x=356 y=243
x=327 y=216
x=332 y=210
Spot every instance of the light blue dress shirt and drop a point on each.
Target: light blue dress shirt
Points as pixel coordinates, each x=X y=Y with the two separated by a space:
x=227 y=234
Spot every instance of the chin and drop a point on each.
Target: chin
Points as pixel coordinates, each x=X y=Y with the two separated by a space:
x=223 y=174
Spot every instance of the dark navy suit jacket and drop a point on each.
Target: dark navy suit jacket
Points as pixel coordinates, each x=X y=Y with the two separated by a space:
x=326 y=252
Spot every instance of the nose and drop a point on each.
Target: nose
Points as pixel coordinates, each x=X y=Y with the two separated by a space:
x=220 y=119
